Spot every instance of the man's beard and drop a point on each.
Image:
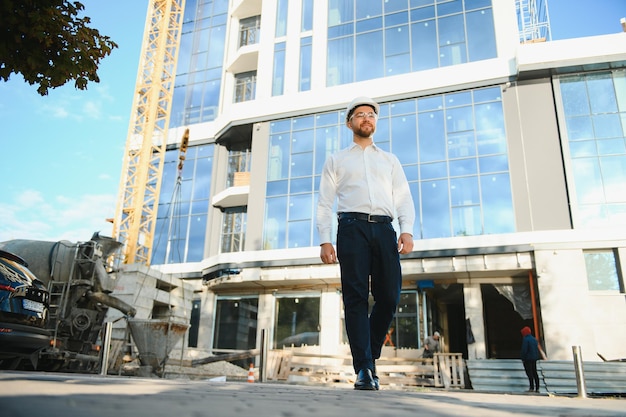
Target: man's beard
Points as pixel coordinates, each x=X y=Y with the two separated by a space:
x=365 y=131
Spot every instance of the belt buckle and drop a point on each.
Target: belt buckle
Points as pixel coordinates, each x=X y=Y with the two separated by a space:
x=369 y=219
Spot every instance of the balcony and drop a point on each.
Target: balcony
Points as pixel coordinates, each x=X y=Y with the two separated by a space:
x=235 y=196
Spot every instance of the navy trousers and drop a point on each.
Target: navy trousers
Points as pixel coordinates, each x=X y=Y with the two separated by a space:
x=368 y=251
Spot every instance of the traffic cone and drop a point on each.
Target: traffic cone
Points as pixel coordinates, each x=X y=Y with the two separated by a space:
x=251 y=373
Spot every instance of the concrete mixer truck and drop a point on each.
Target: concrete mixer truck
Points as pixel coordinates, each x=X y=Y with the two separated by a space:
x=54 y=297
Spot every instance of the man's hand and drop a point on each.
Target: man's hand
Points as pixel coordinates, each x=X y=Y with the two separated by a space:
x=327 y=253
x=405 y=243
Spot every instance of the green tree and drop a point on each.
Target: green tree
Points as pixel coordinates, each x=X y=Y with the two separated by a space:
x=49 y=44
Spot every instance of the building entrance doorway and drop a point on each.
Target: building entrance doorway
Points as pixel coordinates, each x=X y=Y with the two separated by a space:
x=507 y=308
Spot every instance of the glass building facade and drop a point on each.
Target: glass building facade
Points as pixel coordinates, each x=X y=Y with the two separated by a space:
x=474 y=150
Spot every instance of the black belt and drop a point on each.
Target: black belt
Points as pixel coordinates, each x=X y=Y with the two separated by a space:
x=372 y=218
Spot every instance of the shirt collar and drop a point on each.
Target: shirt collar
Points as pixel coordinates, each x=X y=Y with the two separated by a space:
x=356 y=145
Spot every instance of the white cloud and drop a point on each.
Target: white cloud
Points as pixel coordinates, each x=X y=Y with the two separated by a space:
x=92 y=109
x=75 y=219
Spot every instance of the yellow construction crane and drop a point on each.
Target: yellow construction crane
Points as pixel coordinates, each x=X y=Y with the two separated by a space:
x=135 y=215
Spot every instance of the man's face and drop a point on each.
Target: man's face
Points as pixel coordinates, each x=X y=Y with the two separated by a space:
x=362 y=123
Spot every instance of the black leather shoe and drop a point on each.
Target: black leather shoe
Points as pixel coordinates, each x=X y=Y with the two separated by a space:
x=375 y=377
x=376 y=383
x=364 y=380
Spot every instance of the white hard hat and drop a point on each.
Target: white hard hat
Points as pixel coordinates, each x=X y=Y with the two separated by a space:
x=361 y=101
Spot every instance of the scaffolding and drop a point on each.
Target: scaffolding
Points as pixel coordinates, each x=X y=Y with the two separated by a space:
x=533 y=20
x=135 y=216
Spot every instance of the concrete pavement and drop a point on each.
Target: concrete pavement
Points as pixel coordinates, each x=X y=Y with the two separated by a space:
x=32 y=394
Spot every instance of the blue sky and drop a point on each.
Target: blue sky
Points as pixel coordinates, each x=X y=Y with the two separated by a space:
x=62 y=154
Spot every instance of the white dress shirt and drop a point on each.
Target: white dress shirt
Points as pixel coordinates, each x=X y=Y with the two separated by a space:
x=369 y=181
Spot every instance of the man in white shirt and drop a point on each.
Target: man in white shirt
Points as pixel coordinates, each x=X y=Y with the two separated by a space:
x=370 y=188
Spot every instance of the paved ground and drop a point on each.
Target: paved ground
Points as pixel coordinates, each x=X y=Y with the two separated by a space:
x=51 y=395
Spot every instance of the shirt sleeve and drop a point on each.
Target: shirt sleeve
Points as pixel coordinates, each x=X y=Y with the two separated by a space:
x=326 y=200
x=403 y=201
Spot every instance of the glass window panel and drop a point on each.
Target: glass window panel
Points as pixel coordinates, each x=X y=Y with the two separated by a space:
x=464 y=191
x=369 y=25
x=424 y=52
x=395 y=5
x=611 y=146
x=326 y=119
x=369 y=60
x=435 y=209
x=340 y=11
x=452 y=55
x=382 y=130
x=235 y=323
x=476 y=4
x=200 y=207
x=602 y=272
x=449 y=7
x=300 y=207
x=430 y=103
x=607 y=126
x=297 y=321
x=411 y=172
x=307 y=15
x=405 y=143
x=458 y=99
x=461 y=145
x=301 y=123
x=326 y=143
x=490 y=143
x=302 y=164
x=431 y=134
x=497 y=204
x=583 y=148
x=280 y=126
x=588 y=178
x=466 y=221
x=619 y=80
x=487 y=94
x=301 y=185
x=302 y=141
x=423 y=13
x=481 y=37
x=397 y=40
x=275 y=188
x=494 y=163
x=340 y=61
x=402 y=107
x=341 y=31
x=614 y=169
x=398 y=64
x=217 y=46
x=574 y=96
x=579 y=128
x=197 y=233
x=418 y=3
x=306 y=62
x=367 y=9
x=278 y=78
x=281 y=18
x=299 y=234
x=459 y=119
x=601 y=93
x=274 y=227
x=279 y=157
x=396 y=19
x=451 y=30
x=433 y=170
x=461 y=167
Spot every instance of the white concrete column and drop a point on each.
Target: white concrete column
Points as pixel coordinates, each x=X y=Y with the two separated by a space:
x=330 y=323
x=474 y=312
